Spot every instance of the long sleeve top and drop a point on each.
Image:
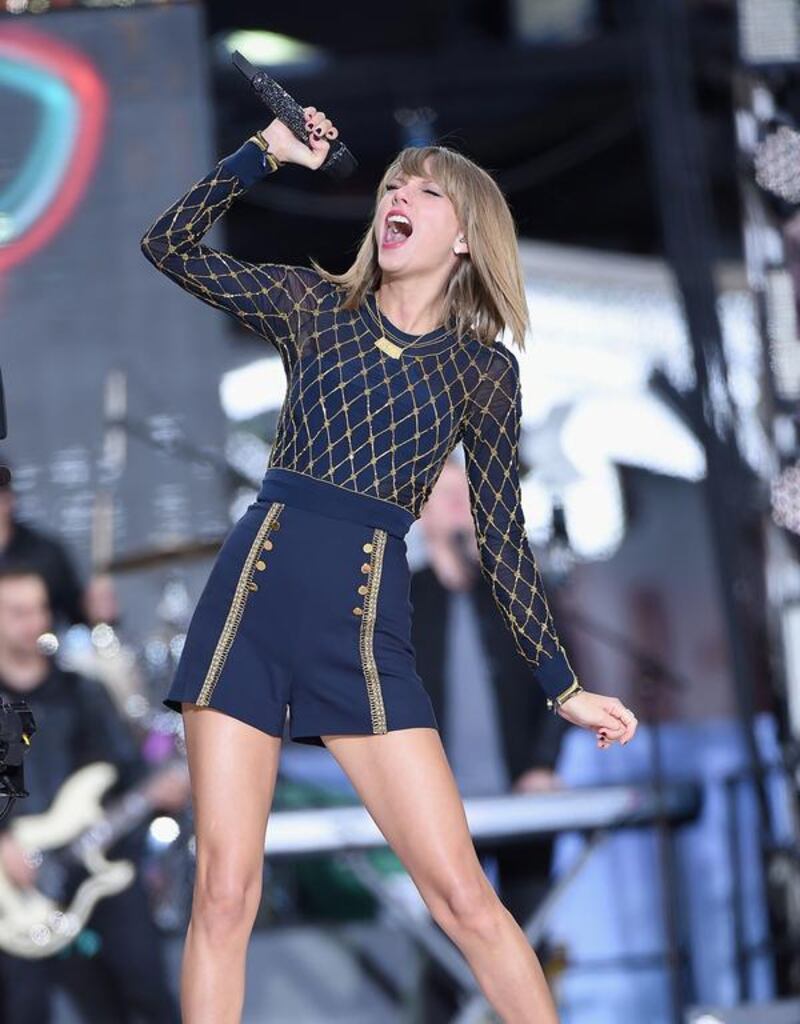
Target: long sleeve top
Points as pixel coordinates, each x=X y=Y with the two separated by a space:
x=360 y=418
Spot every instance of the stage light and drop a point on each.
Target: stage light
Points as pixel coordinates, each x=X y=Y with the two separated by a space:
x=266 y=49
x=48 y=644
x=553 y=21
x=777 y=164
x=785 y=496
x=164 y=830
x=790 y=630
x=256 y=387
x=784 y=346
x=769 y=31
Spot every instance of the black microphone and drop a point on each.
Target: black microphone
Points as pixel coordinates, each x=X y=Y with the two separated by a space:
x=340 y=162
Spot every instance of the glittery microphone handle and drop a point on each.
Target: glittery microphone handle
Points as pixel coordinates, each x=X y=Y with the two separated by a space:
x=339 y=162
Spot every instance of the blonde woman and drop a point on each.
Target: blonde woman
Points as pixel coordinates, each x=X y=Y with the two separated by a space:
x=388 y=367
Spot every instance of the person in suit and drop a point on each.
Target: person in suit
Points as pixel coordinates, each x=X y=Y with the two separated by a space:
x=496 y=729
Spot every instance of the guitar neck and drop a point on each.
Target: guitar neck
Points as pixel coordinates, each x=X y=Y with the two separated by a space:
x=120 y=818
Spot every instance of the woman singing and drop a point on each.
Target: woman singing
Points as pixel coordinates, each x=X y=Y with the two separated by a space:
x=389 y=366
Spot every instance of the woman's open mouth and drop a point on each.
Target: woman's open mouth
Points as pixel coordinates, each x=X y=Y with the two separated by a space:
x=396 y=231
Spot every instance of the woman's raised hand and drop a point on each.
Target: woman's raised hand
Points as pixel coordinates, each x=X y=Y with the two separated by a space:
x=606 y=716
x=288 y=149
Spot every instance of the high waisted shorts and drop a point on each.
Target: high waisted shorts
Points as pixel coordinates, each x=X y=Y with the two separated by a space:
x=307 y=607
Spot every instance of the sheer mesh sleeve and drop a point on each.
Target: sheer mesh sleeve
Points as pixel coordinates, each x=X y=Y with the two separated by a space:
x=268 y=298
x=490 y=438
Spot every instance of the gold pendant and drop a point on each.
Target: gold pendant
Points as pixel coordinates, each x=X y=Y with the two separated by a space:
x=389 y=347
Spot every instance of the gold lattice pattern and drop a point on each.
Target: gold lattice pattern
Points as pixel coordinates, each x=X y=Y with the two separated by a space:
x=362 y=420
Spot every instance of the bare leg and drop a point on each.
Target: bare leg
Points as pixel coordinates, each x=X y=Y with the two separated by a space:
x=233 y=769
x=407 y=786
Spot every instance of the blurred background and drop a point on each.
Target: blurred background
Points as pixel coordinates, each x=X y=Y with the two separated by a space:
x=649 y=152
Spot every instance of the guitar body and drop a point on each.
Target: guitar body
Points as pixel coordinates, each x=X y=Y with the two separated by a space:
x=73 y=875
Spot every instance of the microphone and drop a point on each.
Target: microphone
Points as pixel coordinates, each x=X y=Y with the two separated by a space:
x=340 y=162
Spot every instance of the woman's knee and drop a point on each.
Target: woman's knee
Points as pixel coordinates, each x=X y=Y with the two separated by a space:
x=226 y=894
x=466 y=904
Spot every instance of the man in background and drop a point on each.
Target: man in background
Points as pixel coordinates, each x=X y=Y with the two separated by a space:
x=495 y=726
x=21 y=543
x=496 y=729
x=113 y=971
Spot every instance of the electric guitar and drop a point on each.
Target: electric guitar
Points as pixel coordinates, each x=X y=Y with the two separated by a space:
x=67 y=845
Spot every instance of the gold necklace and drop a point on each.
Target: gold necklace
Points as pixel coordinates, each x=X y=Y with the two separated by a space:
x=394 y=350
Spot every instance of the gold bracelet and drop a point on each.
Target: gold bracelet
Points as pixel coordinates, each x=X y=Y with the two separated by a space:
x=554 y=703
x=263 y=145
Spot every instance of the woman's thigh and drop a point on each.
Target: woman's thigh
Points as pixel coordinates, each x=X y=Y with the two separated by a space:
x=233 y=768
x=408 y=788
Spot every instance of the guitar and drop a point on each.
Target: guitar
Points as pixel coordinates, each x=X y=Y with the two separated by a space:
x=67 y=845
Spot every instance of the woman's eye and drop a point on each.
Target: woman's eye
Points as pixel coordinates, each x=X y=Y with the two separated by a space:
x=429 y=190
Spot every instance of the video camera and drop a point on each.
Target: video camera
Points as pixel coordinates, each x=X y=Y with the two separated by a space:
x=16 y=718
x=16 y=729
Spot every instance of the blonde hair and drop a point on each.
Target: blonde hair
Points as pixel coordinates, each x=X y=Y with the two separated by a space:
x=485 y=293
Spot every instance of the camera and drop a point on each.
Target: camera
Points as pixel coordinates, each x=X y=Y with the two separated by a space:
x=16 y=719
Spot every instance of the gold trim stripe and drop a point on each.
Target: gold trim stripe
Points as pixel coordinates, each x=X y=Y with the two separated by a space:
x=236 y=610
x=368 y=664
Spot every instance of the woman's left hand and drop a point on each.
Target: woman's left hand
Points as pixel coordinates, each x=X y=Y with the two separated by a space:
x=606 y=716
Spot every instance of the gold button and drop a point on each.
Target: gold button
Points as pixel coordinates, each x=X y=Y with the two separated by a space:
x=358 y=611
x=363 y=589
x=366 y=567
x=267 y=545
x=252 y=586
x=260 y=564
x=367 y=547
x=275 y=524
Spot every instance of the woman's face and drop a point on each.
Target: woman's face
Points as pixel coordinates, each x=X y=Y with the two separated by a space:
x=425 y=240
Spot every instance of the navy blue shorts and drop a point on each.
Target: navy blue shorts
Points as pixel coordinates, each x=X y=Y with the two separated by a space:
x=308 y=606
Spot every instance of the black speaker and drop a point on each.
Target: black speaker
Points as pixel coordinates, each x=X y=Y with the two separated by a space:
x=781 y=1012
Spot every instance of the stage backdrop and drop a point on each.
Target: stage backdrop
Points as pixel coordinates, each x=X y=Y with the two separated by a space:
x=106 y=120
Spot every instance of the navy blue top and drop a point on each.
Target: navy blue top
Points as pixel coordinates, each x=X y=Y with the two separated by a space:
x=366 y=420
